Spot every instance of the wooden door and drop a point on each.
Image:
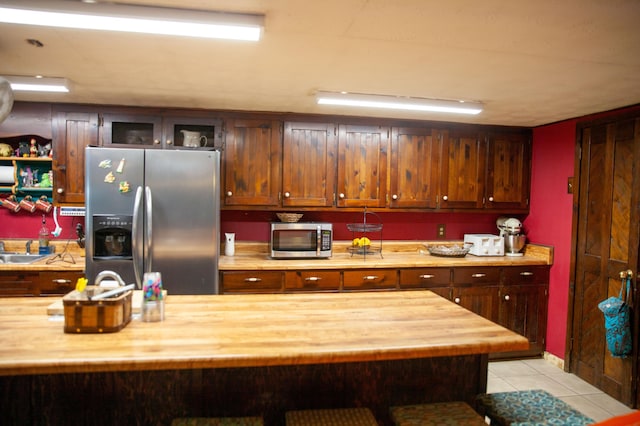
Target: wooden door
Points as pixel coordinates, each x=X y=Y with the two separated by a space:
x=72 y=133
x=309 y=164
x=463 y=170
x=362 y=166
x=479 y=299
x=252 y=163
x=606 y=230
x=415 y=162
x=508 y=172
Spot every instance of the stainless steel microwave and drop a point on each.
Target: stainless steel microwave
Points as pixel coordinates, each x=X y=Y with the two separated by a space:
x=301 y=240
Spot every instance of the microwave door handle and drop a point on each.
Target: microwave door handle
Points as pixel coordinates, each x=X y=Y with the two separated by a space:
x=318 y=240
x=135 y=240
x=148 y=255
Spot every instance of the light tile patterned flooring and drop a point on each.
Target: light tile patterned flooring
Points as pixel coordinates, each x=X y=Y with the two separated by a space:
x=526 y=374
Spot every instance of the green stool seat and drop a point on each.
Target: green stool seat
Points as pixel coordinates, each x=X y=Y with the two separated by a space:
x=436 y=414
x=331 y=417
x=218 y=421
x=529 y=408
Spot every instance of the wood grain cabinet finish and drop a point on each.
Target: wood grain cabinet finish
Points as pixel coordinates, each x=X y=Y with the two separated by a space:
x=34 y=283
x=370 y=279
x=312 y=280
x=362 y=166
x=252 y=163
x=414 y=167
x=463 y=170
x=309 y=161
x=437 y=280
x=508 y=172
x=251 y=282
x=72 y=132
x=478 y=289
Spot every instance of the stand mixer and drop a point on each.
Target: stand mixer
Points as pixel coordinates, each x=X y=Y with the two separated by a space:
x=511 y=231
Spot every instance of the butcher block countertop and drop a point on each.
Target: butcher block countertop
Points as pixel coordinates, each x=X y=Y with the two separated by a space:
x=252 y=330
x=395 y=254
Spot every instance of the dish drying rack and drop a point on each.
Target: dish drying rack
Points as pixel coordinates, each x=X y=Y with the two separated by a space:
x=360 y=230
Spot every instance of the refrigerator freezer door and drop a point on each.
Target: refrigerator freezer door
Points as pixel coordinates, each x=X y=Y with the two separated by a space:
x=185 y=221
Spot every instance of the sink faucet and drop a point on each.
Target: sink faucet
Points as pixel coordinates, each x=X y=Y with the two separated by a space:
x=28 y=246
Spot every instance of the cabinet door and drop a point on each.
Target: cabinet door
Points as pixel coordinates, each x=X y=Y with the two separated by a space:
x=362 y=166
x=463 y=170
x=17 y=283
x=252 y=163
x=312 y=280
x=370 y=279
x=477 y=289
x=132 y=131
x=251 y=281
x=309 y=164
x=72 y=132
x=56 y=283
x=414 y=168
x=192 y=132
x=509 y=170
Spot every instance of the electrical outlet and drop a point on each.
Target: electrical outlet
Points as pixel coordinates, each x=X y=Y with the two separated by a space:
x=440 y=233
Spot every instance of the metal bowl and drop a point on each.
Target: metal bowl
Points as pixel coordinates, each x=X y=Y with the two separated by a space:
x=289 y=217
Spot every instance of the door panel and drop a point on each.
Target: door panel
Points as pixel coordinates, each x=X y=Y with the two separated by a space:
x=606 y=244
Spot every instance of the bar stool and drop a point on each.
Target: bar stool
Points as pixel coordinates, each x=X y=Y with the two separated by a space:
x=436 y=414
x=218 y=421
x=529 y=407
x=331 y=417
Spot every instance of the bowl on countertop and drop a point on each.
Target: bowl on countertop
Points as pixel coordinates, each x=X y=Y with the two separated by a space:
x=289 y=217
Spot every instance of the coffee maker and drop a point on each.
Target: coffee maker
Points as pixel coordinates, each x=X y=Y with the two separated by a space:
x=511 y=231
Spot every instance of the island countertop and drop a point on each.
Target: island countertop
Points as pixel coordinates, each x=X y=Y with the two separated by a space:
x=252 y=330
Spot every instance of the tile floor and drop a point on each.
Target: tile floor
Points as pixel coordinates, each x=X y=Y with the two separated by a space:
x=526 y=374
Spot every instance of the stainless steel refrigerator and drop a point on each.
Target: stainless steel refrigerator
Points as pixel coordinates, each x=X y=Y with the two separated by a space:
x=154 y=211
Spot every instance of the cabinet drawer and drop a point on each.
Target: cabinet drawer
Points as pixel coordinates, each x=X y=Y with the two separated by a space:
x=365 y=279
x=312 y=280
x=476 y=275
x=526 y=275
x=424 y=277
x=17 y=283
x=252 y=281
x=58 y=282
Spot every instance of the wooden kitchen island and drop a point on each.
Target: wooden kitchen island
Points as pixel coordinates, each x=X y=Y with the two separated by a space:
x=232 y=355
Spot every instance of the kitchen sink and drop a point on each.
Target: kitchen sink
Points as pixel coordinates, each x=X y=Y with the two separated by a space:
x=20 y=257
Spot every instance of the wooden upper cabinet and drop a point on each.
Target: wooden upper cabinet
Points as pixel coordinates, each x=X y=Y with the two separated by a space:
x=72 y=132
x=252 y=163
x=508 y=171
x=362 y=166
x=309 y=164
x=414 y=168
x=463 y=170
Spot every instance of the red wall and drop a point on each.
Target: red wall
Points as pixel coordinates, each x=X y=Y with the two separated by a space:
x=550 y=217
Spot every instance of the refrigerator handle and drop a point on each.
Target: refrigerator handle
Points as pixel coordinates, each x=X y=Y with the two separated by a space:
x=135 y=240
x=148 y=249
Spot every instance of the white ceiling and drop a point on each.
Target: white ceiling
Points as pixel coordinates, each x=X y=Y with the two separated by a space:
x=531 y=62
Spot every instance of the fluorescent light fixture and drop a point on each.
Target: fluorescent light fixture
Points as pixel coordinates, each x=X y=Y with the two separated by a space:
x=397 y=102
x=38 y=84
x=129 y=18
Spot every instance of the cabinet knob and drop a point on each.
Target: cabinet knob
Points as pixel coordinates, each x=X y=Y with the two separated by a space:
x=506 y=297
x=491 y=199
x=252 y=280
x=229 y=193
x=445 y=198
x=60 y=190
x=370 y=277
x=457 y=300
x=156 y=141
x=61 y=281
x=394 y=197
x=479 y=275
x=526 y=274
x=287 y=194
x=313 y=279
x=341 y=195
x=426 y=276
x=169 y=142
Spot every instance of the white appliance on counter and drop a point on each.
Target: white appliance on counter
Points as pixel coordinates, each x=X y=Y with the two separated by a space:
x=485 y=244
x=154 y=210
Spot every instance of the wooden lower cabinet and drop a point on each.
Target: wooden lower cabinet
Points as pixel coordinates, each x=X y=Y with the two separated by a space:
x=513 y=296
x=34 y=283
x=312 y=281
